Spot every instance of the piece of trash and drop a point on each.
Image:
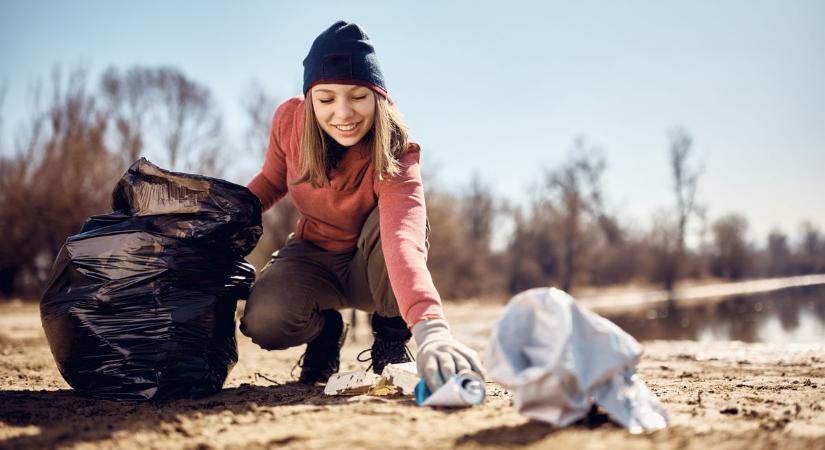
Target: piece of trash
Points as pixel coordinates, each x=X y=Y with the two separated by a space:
x=403 y=376
x=351 y=383
x=383 y=388
x=465 y=389
x=140 y=304
x=395 y=379
x=558 y=358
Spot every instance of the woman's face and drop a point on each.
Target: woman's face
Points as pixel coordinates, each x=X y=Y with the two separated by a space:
x=345 y=111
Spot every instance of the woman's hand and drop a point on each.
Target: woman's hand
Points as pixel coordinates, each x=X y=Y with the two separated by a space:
x=440 y=355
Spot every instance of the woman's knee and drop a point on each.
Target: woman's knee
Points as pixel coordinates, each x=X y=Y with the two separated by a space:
x=277 y=315
x=279 y=329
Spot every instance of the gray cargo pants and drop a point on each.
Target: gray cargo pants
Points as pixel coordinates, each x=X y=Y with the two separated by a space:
x=302 y=279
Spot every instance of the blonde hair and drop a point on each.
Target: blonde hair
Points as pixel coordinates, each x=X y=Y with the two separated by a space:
x=389 y=139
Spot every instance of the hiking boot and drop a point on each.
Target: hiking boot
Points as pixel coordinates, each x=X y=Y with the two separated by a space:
x=323 y=354
x=389 y=345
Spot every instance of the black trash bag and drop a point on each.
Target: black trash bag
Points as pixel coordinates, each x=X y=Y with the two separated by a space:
x=141 y=303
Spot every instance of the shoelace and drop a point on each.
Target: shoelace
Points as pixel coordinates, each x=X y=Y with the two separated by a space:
x=369 y=356
x=300 y=362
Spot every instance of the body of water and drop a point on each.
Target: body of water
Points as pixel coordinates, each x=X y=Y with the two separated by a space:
x=789 y=315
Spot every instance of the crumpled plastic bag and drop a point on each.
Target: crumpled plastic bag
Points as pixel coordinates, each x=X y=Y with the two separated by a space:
x=557 y=358
x=141 y=303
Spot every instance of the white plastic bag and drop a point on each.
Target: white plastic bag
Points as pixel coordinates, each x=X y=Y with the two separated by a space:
x=557 y=358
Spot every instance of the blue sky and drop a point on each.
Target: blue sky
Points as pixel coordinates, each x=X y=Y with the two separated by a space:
x=503 y=88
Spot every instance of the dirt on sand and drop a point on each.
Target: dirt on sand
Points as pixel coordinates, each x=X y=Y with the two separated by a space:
x=719 y=395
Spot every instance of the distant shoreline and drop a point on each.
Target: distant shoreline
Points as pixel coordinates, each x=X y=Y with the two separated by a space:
x=691 y=294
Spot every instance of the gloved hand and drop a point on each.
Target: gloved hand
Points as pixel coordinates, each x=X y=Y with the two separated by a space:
x=440 y=355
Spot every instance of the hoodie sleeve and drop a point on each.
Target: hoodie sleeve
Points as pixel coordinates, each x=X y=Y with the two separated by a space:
x=270 y=184
x=402 y=218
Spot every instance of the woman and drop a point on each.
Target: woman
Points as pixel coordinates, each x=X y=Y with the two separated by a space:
x=341 y=151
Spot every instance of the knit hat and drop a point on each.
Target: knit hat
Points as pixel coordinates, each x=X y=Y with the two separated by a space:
x=343 y=54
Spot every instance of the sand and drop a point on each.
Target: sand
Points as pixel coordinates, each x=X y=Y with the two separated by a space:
x=727 y=395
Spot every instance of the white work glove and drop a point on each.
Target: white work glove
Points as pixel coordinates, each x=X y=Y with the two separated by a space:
x=440 y=355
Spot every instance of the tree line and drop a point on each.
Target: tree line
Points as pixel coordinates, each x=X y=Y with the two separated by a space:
x=82 y=134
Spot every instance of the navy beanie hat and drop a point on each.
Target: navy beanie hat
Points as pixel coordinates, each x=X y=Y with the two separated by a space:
x=343 y=54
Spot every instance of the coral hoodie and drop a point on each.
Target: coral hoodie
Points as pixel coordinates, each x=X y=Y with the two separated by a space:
x=332 y=216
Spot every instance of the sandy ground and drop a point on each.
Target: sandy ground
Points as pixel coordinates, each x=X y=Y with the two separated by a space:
x=728 y=395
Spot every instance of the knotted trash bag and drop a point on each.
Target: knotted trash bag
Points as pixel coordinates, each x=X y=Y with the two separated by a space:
x=141 y=303
x=558 y=359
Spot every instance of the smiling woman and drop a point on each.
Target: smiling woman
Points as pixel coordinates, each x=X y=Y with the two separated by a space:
x=342 y=154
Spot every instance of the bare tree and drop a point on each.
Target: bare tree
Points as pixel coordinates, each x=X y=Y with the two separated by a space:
x=778 y=253
x=64 y=163
x=477 y=207
x=60 y=174
x=685 y=180
x=567 y=233
x=129 y=98
x=685 y=183
x=573 y=192
x=191 y=130
x=731 y=258
x=811 y=241
x=12 y=198
x=810 y=256
x=17 y=230
x=532 y=251
x=662 y=243
x=447 y=251
x=460 y=258
x=160 y=109
x=259 y=107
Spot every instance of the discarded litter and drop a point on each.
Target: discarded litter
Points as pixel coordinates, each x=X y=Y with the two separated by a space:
x=404 y=376
x=395 y=379
x=141 y=303
x=351 y=383
x=465 y=389
x=558 y=358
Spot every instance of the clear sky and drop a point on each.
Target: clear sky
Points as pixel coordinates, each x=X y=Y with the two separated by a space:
x=503 y=88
